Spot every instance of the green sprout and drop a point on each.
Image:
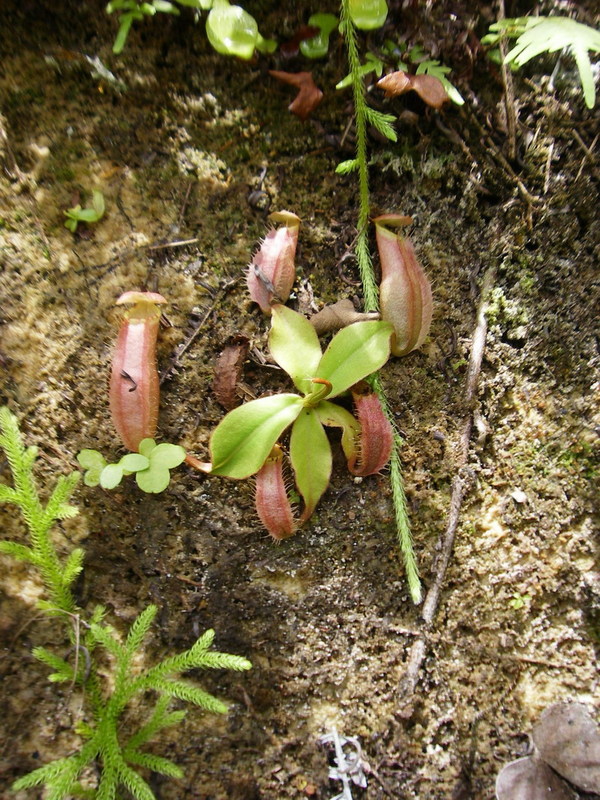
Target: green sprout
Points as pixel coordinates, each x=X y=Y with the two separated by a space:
x=518 y=600
x=230 y=30
x=318 y=45
x=242 y=442
x=151 y=466
x=537 y=35
x=78 y=214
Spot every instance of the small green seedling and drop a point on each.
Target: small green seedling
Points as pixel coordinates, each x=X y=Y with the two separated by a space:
x=318 y=46
x=230 y=30
x=537 y=35
x=151 y=466
x=518 y=600
x=78 y=214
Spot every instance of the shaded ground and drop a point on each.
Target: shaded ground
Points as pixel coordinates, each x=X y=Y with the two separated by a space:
x=325 y=617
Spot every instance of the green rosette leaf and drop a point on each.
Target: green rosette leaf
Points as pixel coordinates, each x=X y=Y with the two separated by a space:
x=244 y=438
x=354 y=353
x=310 y=454
x=294 y=345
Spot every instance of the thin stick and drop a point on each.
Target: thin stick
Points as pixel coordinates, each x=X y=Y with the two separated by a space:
x=460 y=485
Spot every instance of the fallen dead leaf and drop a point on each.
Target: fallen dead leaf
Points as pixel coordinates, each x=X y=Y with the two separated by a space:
x=228 y=369
x=428 y=87
x=309 y=96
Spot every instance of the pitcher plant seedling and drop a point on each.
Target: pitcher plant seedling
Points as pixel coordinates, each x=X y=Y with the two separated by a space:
x=151 y=466
x=245 y=442
x=78 y=214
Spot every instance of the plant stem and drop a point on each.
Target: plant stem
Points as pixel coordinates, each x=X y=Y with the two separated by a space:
x=371 y=296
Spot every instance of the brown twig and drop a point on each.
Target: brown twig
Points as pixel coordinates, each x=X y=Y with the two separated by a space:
x=460 y=486
x=509 y=93
x=174 y=361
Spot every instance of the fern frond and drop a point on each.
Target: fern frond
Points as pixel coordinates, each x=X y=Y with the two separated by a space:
x=199 y=656
x=160 y=719
x=537 y=35
x=19 y=551
x=185 y=691
x=63 y=671
x=156 y=763
x=139 y=628
x=7 y=495
x=45 y=774
x=57 y=506
x=384 y=123
x=134 y=783
x=104 y=635
x=73 y=566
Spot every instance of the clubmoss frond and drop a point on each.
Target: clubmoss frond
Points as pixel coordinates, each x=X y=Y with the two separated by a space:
x=61 y=777
x=383 y=122
x=63 y=671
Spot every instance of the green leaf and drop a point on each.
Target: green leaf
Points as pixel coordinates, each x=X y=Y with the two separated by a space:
x=168 y=455
x=335 y=416
x=354 y=353
x=125 y=24
x=317 y=46
x=242 y=441
x=549 y=34
x=266 y=46
x=294 y=345
x=134 y=462
x=98 y=203
x=111 y=476
x=231 y=30
x=368 y=14
x=165 y=7
x=153 y=480
x=146 y=447
x=310 y=454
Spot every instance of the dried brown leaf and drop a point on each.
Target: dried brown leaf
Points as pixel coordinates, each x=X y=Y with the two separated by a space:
x=530 y=779
x=228 y=369
x=338 y=315
x=428 y=87
x=309 y=96
x=569 y=740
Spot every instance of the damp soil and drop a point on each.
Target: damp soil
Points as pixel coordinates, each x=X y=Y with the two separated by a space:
x=191 y=150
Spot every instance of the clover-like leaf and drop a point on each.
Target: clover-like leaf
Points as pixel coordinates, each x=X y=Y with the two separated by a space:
x=133 y=462
x=93 y=463
x=354 y=353
x=295 y=346
x=111 y=476
x=242 y=441
x=169 y=455
x=153 y=480
x=146 y=446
